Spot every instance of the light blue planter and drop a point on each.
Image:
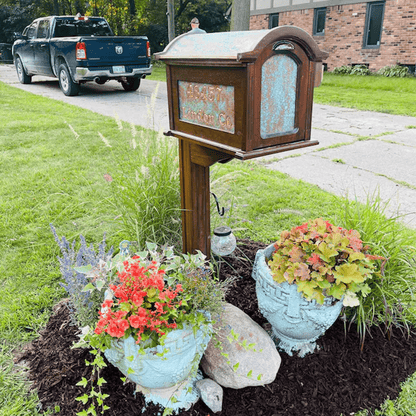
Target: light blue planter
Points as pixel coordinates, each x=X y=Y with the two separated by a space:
x=296 y=322
x=158 y=377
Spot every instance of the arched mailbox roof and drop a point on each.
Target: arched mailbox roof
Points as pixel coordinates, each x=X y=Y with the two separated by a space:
x=237 y=46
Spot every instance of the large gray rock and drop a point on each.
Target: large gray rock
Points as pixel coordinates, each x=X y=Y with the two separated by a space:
x=250 y=359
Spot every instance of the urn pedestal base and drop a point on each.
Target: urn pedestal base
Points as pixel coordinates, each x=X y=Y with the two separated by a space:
x=165 y=374
x=185 y=394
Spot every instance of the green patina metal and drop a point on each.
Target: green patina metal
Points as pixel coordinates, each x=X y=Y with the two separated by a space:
x=278 y=96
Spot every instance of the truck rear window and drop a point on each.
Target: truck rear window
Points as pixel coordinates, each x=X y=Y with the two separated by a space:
x=66 y=27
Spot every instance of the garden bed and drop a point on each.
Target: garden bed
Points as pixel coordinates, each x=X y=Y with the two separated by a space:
x=339 y=378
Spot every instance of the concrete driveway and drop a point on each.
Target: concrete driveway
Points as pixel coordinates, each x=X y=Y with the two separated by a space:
x=359 y=152
x=106 y=99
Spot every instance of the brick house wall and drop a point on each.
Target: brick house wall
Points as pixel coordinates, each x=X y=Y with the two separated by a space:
x=344 y=31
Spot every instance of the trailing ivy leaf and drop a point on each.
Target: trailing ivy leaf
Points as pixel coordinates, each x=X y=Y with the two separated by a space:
x=235 y=366
x=259 y=377
x=83 y=382
x=91 y=410
x=249 y=374
x=101 y=381
x=83 y=399
x=130 y=358
x=130 y=371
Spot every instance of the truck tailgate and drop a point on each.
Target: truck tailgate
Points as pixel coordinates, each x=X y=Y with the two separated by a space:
x=115 y=50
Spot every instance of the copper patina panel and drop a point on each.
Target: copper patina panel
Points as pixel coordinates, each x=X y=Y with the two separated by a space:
x=207 y=105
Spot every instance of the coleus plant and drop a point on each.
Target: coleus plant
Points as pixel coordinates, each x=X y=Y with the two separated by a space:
x=324 y=260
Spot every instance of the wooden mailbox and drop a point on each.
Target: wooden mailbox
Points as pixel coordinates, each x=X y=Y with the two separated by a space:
x=236 y=95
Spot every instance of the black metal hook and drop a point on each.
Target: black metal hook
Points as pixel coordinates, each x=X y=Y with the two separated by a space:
x=220 y=211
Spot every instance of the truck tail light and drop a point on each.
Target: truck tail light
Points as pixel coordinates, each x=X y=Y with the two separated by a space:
x=81 y=51
x=148 y=49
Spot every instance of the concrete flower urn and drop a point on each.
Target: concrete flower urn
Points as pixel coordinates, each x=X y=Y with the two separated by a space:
x=163 y=372
x=296 y=323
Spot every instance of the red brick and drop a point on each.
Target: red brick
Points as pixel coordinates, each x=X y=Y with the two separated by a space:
x=343 y=37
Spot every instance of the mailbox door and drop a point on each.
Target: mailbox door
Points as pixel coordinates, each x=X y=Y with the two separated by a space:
x=282 y=78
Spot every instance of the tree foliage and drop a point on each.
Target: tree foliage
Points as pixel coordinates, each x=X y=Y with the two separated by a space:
x=13 y=18
x=153 y=22
x=126 y=17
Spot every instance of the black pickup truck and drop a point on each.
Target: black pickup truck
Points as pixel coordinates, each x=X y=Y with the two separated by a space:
x=78 y=49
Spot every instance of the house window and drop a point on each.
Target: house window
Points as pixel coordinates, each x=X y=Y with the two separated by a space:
x=373 y=24
x=273 y=20
x=319 y=21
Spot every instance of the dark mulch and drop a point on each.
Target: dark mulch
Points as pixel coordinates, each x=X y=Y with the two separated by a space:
x=337 y=379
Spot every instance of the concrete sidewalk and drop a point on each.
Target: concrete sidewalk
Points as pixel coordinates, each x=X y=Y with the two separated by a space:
x=360 y=154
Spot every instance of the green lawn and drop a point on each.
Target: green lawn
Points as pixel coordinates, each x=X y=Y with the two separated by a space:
x=374 y=93
x=52 y=167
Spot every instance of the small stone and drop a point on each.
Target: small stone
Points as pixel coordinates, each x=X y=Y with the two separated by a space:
x=211 y=393
x=247 y=356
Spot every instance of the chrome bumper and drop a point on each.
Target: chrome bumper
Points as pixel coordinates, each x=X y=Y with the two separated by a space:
x=86 y=74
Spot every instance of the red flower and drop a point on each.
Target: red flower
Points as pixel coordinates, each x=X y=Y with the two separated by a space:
x=139 y=285
x=107 y=303
x=102 y=323
x=137 y=321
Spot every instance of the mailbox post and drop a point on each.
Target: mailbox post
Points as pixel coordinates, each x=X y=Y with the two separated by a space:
x=235 y=95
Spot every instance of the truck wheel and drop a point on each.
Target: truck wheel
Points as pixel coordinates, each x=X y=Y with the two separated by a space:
x=68 y=87
x=131 y=84
x=24 y=78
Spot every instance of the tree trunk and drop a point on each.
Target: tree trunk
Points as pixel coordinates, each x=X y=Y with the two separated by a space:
x=132 y=8
x=240 y=15
x=171 y=20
